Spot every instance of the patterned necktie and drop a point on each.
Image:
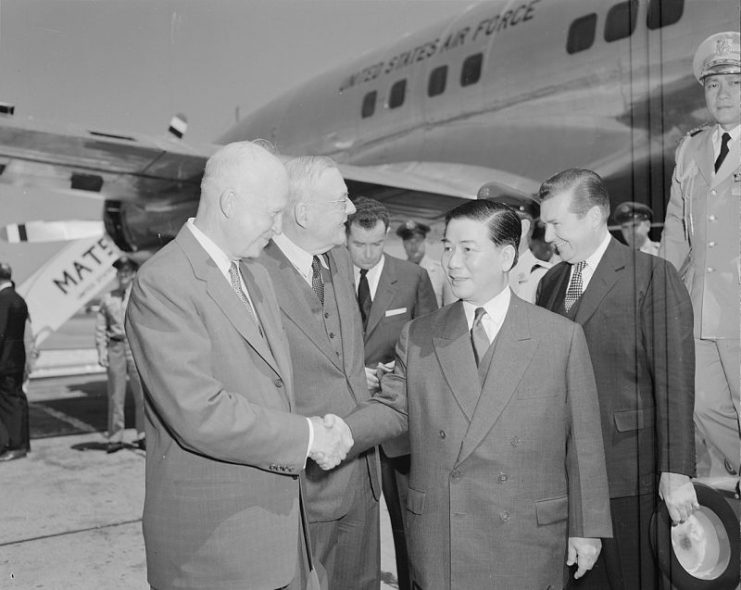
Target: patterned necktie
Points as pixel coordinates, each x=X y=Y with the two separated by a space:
x=237 y=286
x=364 y=297
x=726 y=137
x=316 y=278
x=575 y=286
x=479 y=339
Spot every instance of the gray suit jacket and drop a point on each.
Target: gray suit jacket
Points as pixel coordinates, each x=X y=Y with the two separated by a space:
x=223 y=450
x=501 y=473
x=324 y=383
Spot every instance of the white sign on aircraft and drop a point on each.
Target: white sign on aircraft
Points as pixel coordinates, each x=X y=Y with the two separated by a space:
x=63 y=284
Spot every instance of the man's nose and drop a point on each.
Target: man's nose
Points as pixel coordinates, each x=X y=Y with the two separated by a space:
x=549 y=234
x=349 y=206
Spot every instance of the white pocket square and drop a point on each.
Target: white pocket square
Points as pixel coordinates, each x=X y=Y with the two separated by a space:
x=397 y=311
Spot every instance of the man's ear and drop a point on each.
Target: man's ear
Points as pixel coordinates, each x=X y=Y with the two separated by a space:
x=594 y=215
x=227 y=202
x=301 y=214
x=508 y=257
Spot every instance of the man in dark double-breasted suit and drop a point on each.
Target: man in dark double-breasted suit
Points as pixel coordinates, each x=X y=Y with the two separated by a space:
x=637 y=318
x=507 y=479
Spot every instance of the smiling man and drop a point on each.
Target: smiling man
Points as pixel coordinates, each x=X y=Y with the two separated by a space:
x=637 y=319
x=701 y=238
x=507 y=479
x=390 y=293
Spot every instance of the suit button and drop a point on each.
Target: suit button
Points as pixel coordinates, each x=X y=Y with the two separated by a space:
x=442 y=434
x=711 y=244
x=331 y=334
x=504 y=516
x=326 y=315
x=711 y=269
x=502 y=477
x=711 y=217
x=514 y=441
x=455 y=475
x=713 y=193
x=278 y=383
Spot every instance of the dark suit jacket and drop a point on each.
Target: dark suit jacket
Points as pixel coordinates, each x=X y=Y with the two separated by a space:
x=223 y=450
x=13 y=316
x=404 y=292
x=503 y=472
x=324 y=384
x=637 y=318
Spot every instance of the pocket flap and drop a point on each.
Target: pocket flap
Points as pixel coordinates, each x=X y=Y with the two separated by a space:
x=627 y=420
x=416 y=501
x=552 y=510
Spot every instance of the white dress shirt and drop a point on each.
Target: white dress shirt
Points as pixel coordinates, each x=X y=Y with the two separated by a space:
x=735 y=134
x=298 y=257
x=496 y=310
x=373 y=275
x=592 y=261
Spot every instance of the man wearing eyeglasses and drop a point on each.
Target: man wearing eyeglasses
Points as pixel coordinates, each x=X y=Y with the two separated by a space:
x=313 y=277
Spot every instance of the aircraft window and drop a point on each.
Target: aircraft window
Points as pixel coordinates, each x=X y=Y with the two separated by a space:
x=581 y=33
x=471 y=71
x=621 y=20
x=369 y=104
x=662 y=13
x=436 y=83
x=396 y=96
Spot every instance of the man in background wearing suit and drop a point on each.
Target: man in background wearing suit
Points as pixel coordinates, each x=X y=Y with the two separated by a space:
x=225 y=447
x=507 y=477
x=637 y=319
x=701 y=238
x=390 y=293
x=313 y=276
x=14 y=431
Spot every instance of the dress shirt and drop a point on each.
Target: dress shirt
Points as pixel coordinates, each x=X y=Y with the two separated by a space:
x=223 y=262
x=298 y=257
x=373 y=275
x=592 y=262
x=496 y=310
x=735 y=134
x=5 y=285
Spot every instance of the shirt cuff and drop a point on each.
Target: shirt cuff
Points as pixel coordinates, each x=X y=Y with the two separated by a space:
x=311 y=439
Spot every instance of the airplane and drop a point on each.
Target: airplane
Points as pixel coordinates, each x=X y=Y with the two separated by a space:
x=484 y=104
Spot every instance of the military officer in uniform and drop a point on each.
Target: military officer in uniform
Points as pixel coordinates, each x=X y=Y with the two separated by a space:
x=701 y=238
x=635 y=223
x=413 y=235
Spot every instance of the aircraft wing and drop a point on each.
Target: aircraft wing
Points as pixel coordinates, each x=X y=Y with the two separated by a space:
x=95 y=163
x=426 y=190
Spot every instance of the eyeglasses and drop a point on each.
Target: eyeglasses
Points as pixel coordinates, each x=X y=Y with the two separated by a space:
x=342 y=201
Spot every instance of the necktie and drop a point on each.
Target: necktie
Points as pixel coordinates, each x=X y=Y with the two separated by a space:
x=316 y=279
x=237 y=286
x=479 y=339
x=725 y=138
x=575 y=286
x=364 y=297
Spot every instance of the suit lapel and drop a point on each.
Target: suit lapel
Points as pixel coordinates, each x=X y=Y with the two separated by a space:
x=290 y=288
x=455 y=355
x=513 y=352
x=384 y=295
x=705 y=161
x=223 y=295
x=603 y=280
x=560 y=283
x=730 y=164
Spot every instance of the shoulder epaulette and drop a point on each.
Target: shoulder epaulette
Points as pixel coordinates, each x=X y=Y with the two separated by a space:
x=696 y=130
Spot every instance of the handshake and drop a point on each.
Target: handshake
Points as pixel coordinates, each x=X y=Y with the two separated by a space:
x=332 y=441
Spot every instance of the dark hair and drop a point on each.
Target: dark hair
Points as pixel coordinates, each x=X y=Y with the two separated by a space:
x=367 y=213
x=502 y=221
x=6 y=273
x=588 y=187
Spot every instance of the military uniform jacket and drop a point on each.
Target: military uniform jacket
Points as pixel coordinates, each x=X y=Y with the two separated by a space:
x=701 y=234
x=505 y=469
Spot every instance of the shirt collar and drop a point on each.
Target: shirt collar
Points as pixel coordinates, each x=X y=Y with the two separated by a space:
x=297 y=256
x=223 y=262
x=373 y=273
x=596 y=256
x=735 y=133
x=496 y=308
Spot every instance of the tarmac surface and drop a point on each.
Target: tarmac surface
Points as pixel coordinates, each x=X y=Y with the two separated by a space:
x=71 y=514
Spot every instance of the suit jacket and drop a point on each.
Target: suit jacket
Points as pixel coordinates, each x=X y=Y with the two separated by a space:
x=223 y=450
x=404 y=292
x=13 y=316
x=637 y=318
x=701 y=233
x=501 y=473
x=325 y=384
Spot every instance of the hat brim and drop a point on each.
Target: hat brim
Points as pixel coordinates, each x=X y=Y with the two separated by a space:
x=724 y=524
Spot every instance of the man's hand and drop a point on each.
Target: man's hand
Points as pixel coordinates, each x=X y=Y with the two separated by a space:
x=103 y=359
x=382 y=369
x=372 y=380
x=332 y=440
x=678 y=493
x=583 y=551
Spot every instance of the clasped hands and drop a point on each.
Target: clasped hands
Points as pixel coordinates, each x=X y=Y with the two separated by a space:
x=332 y=441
